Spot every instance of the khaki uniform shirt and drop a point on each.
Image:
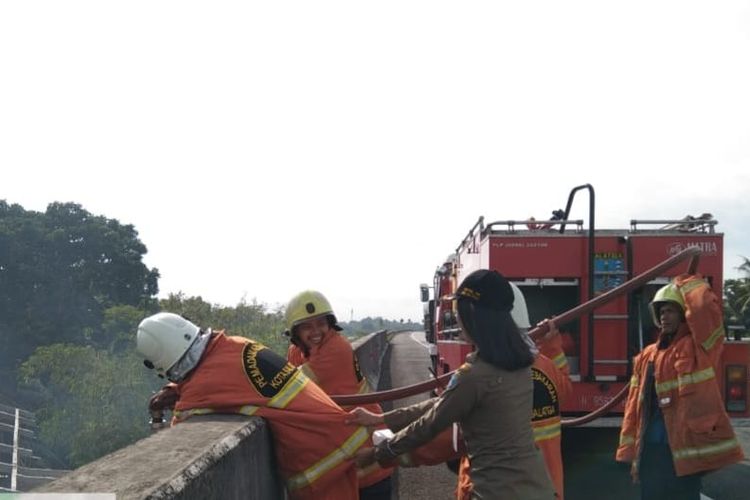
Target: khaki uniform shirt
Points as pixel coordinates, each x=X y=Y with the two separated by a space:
x=493 y=407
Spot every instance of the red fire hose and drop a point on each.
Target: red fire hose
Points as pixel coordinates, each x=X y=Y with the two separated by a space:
x=402 y=392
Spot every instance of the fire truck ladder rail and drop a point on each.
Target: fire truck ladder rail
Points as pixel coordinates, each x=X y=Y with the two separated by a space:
x=691 y=253
x=703 y=224
x=510 y=225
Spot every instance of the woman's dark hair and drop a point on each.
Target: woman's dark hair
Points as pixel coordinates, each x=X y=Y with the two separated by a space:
x=496 y=336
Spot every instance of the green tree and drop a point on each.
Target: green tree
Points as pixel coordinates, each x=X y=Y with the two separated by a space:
x=367 y=325
x=93 y=402
x=737 y=297
x=119 y=327
x=89 y=401
x=195 y=309
x=252 y=320
x=59 y=271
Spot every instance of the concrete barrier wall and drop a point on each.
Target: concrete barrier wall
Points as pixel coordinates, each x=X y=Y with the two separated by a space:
x=370 y=350
x=211 y=457
x=207 y=457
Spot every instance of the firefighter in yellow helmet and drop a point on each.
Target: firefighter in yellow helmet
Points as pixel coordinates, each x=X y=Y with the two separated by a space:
x=309 y=318
x=675 y=427
x=327 y=358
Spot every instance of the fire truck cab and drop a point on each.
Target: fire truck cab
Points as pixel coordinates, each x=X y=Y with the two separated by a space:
x=558 y=265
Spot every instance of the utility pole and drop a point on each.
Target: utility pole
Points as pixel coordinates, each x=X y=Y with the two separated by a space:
x=14 y=469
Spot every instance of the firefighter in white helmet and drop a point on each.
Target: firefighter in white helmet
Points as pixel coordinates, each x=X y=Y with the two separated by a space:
x=211 y=372
x=164 y=339
x=326 y=357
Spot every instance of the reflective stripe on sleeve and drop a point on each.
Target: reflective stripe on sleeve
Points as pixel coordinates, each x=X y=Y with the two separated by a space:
x=689 y=287
x=560 y=360
x=185 y=414
x=305 y=368
x=289 y=391
x=542 y=433
x=247 y=410
x=711 y=341
x=364 y=387
x=703 y=451
x=685 y=380
x=333 y=459
x=626 y=440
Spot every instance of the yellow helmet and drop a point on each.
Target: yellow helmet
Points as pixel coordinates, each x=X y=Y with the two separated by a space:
x=306 y=305
x=667 y=293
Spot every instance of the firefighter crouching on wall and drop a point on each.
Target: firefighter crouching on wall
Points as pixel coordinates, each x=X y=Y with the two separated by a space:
x=551 y=376
x=212 y=372
x=675 y=427
x=327 y=358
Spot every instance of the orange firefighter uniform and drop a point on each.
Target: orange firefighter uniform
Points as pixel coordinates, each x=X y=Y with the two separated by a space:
x=294 y=355
x=313 y=446
x=333 y=365
x=550 y=373
x=699 y=432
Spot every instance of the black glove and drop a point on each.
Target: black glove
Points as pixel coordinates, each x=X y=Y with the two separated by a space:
x=165 y=399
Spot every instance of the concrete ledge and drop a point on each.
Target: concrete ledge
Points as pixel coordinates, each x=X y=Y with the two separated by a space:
x=371 y=350
x=211 y=457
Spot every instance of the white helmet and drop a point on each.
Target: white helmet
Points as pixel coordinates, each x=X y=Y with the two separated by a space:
x=163 y=339
x=519 y=313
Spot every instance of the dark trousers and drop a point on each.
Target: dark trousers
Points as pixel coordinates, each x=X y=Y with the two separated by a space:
x=378 y=491
x=659 y=480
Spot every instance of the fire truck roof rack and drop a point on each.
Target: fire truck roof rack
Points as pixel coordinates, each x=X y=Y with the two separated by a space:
x=546 y=227
x=470 y=238
x=532 y=224
x=702 y=224
x=542 y=282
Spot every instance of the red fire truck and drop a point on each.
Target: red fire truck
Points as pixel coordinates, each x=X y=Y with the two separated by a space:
x=558 y=264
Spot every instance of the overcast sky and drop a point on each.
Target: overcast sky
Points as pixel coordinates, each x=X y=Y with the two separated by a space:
x=262 y=148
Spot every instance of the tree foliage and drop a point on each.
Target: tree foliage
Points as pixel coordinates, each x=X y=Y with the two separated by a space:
x=91 y=401
x=251 y=320
x=737 y=297
x=60 y=270
x=369 y=325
